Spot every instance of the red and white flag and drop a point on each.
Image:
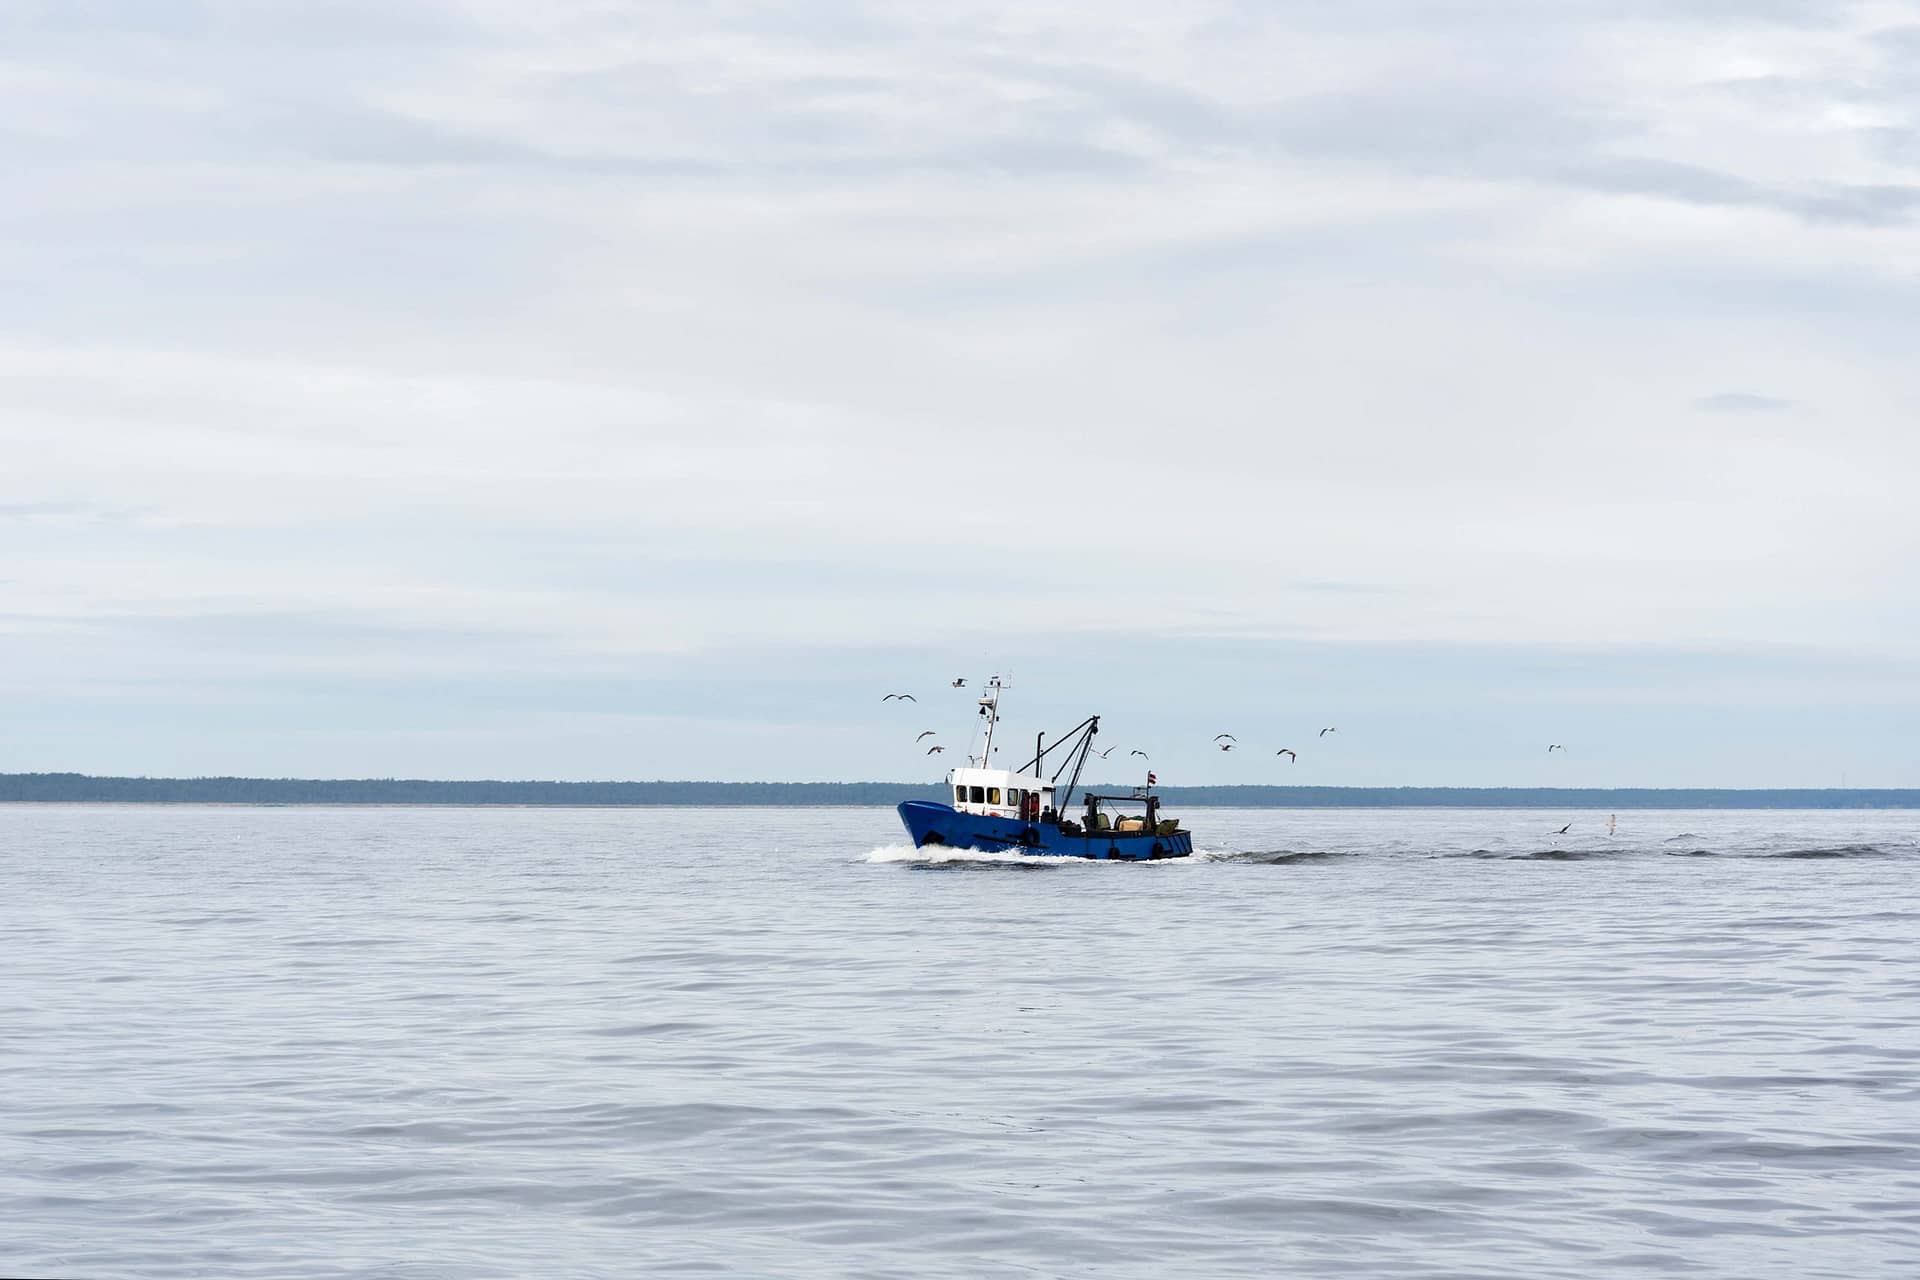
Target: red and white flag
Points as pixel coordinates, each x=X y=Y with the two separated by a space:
x=1150 y=777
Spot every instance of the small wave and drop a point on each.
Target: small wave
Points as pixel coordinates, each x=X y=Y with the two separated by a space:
x=1540 y=855
x=1277 y=857
x=646 y=1029
x=1834 y=851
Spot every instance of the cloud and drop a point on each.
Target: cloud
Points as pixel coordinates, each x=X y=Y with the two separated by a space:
x=343 y=346
x=1741 y=402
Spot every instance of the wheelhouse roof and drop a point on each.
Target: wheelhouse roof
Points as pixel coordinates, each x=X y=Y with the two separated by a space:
x=998 y=778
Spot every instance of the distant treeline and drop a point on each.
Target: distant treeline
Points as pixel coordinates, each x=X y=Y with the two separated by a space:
x=77 y=787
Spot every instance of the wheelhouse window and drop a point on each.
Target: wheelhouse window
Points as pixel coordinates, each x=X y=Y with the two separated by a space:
x=959 y=795
x=1013 y=796
x=979 y=795
x=993 y=795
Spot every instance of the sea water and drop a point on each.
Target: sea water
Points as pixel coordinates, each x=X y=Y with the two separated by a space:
x=755 y=1042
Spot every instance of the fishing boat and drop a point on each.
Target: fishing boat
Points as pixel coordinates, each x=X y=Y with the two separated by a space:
x=1027 y=811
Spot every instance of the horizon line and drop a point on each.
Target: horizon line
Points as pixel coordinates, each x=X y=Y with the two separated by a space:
x=231 y=789
x=417 y=780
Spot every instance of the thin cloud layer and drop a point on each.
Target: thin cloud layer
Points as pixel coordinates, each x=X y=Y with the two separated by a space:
x=1741 y=402
x=347 y=345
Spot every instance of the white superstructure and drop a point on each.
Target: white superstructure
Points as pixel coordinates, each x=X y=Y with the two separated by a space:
x=998 y=793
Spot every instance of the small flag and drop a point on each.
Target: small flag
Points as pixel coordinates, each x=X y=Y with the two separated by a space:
x=1150 y=777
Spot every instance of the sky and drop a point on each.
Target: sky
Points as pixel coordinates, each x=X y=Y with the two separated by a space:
x=471 y=388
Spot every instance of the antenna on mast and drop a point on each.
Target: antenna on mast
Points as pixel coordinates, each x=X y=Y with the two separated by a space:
x=990 y=712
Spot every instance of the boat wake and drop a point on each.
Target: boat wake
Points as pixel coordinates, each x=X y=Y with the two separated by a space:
x=1272 y=857
x=1836 y=851
x=935 y=856
x=1608 y=853
x=941 y=856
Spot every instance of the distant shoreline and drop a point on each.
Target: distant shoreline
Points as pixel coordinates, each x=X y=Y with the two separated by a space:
x=76 y=788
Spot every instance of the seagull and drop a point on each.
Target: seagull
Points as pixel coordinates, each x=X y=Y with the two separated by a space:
x=1143 y=755
x=1293 y=757
x=1329 y=729
x=1104 y=754
x=960 y=683
x=1555 y=747
x=928 y=734
x=890 y=697
x=1226 y=746
x=1562 y=831
x=1218 y=736
x=934 y=751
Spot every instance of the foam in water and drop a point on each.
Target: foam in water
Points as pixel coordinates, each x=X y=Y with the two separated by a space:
x=936 y=855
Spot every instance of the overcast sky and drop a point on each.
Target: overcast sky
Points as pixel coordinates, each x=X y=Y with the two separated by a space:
x=456 y=388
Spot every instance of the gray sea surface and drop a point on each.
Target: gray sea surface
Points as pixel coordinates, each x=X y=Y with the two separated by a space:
x=749 y=1042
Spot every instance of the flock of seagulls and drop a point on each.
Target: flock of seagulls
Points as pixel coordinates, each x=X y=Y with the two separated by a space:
x=961 y=683
x=1224 y=741
x=1227 y=742
x=936 y=749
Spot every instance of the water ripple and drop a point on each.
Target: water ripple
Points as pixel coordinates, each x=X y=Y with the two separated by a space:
x=439 y=1043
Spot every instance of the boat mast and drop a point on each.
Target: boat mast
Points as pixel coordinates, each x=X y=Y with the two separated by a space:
x=990 y=708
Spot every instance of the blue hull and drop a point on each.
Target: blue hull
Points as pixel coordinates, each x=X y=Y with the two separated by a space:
x=940 y=824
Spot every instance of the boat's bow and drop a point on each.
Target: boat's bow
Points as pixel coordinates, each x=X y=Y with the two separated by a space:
x=925 y=819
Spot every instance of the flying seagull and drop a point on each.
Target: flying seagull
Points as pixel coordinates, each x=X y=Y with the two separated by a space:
x=1562 y=831
x=928 y=734
x=1143 y=755
x=934 y=751
x=1226 y=746
x=1329 y=729
x=1218 y=736
x=1104 y=754
x=1293 y=757
x=960 y=683
x=1555 y=747
x=890 y=697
